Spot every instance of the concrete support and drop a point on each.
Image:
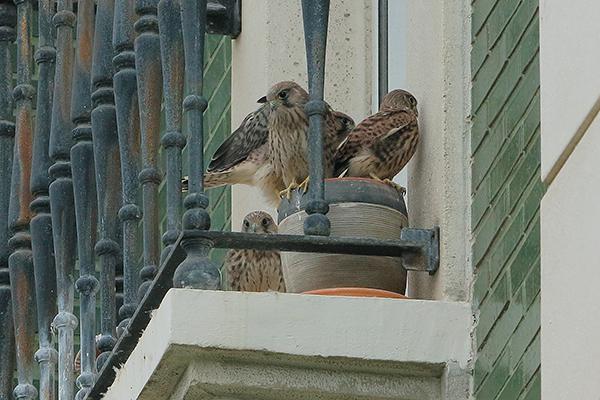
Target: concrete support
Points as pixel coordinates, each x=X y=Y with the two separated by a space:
x=272 y=346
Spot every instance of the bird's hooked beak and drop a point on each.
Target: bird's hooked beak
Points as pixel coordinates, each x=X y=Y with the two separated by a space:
x=254 y=228
x=262 y=100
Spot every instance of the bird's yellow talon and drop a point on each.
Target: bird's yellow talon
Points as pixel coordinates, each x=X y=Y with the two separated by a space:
x=304 y=185
x=401 y=189
x=287 y=192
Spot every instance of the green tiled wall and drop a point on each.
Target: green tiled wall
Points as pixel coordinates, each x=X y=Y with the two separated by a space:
x=505 y=193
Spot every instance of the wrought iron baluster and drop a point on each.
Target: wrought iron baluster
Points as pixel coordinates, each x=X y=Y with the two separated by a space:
x=149 y=80
x=315 y=14
x=20 y=261
x=126 y=101
x=84 y=187
x=61 y=196
x=8 y=21
x=173 y=140
x=108 y=172
x=197 y=271
x=41 y=223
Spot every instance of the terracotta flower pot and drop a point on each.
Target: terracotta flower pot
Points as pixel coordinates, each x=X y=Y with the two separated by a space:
x=357 y=292
x=358 y=207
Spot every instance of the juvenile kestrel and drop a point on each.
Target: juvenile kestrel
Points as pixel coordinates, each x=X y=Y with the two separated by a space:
x=383 y=143
x=255 y=270
x=269 y=149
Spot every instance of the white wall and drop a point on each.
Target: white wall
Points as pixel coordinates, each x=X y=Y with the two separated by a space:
x=271 y=49
x=438 y=74
x=570 y=215
x=570 y=61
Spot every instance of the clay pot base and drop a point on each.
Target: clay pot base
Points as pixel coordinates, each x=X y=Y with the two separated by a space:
x=356 y=292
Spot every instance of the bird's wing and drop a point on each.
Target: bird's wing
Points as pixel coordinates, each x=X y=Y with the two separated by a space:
x=407 y=122
x=251 y=135
x=372 y=132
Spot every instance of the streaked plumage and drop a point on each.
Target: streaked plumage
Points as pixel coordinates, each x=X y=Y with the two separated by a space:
x=255 y=270
x=383 y=143
x=269 y=149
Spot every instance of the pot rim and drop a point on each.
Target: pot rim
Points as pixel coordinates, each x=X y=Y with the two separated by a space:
x=347 y=190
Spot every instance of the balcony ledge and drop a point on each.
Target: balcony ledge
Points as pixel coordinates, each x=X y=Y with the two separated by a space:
x=232 y=345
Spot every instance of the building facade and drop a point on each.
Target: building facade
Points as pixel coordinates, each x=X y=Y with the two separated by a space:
x=508 y=94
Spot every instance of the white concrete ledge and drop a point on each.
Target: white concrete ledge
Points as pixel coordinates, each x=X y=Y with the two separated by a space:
x=204 y=344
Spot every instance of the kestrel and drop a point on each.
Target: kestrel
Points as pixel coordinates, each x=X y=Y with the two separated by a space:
x=77 y=361
x=269 y=149
x=383 y=143
x=255 y=270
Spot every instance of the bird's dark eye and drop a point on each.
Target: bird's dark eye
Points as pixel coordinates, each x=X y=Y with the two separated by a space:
x=283 y=94
x=265 y=222
x=413 y=101
x=246 y=223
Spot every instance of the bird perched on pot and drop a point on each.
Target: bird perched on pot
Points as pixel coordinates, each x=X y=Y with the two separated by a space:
x=269 y=149
x=255 y=270
x=383 y=143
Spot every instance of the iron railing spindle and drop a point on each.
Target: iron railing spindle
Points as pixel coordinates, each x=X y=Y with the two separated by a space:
x=41 y=223
x=84 y=186
x=173 y=140
x=8 y=21
x=315 y=14
x=108 y=172
x=61 y=197
x=126 y=101
x=149 y=81
x=196 y=271
x=20 y=261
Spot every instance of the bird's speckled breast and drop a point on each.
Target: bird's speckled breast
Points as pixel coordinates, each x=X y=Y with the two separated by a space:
x=288 y=144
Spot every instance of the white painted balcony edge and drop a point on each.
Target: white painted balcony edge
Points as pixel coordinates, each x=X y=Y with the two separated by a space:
x=232 y=345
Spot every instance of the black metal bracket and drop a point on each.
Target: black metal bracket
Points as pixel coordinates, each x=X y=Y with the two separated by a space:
x=417 y=248
x=429 y=254
x=224 y=17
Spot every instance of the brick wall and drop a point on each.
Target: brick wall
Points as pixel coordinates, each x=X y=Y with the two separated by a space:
x=506 y=192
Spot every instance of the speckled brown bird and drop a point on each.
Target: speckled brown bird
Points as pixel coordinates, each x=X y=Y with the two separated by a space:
x=255 y=270
x=269 y=149
x=383 y=143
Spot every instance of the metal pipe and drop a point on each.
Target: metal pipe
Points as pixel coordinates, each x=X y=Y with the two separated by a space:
x=8 y=21
x=197 y=271
x=20 y=262
x=382 y=48
x=41 y=223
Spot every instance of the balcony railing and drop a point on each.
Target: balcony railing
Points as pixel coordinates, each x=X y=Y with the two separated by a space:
x=78 y=176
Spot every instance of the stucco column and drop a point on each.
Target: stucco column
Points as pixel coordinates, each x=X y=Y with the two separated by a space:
x=438 y=74
x=271 y=49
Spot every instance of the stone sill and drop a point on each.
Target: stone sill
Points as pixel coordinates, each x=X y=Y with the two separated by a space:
x=232 y=345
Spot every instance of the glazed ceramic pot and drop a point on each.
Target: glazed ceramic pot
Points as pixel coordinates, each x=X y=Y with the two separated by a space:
x=360 y=208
